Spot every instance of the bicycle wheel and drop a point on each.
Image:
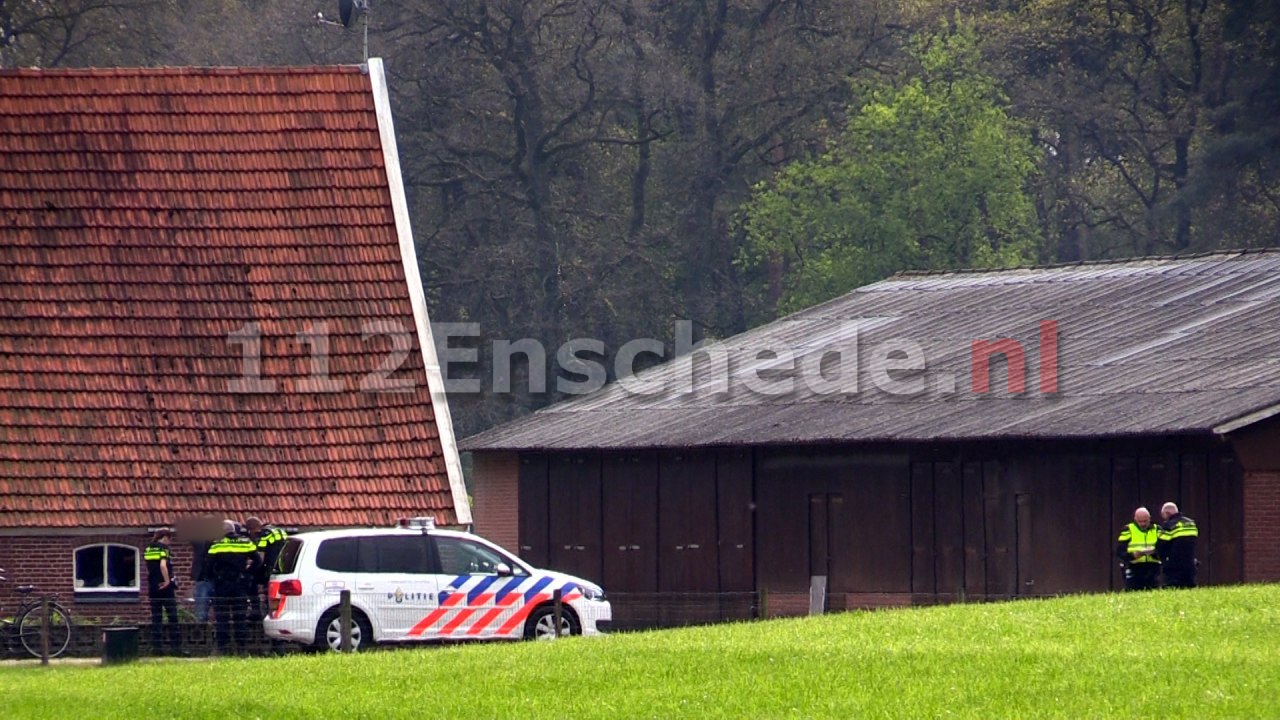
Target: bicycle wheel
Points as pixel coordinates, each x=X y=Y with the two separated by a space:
x=59 y=629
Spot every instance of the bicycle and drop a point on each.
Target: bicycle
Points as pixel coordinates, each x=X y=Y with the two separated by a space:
x=27 y=622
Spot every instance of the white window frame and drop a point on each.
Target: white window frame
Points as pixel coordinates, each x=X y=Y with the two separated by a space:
x=137 y=569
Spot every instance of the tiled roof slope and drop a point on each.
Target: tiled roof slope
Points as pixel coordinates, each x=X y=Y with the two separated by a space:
x=146 y=215
x=1150 y=346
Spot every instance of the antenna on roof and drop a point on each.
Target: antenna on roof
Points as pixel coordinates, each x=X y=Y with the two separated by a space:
x=348 y=10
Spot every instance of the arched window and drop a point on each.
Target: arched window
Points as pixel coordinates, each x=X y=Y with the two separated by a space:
x=107 y=569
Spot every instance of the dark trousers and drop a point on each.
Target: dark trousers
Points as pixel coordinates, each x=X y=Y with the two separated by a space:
x=1142 y=576
x=164 y=604
x=229 y=618
x=255 y=604
x=1179 y=577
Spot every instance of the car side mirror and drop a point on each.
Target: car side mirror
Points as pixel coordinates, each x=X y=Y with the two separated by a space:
x=503 y=570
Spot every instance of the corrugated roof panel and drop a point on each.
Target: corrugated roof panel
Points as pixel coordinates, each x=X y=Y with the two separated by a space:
x=1172 y=345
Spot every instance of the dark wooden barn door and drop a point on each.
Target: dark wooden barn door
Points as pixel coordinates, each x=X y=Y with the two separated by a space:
x=826 y=526
x=534 y=530
x=1025 y=532
x=687 y=557
x=630 y=488
x=1221 y=550
x=1001 y=541
x=948 y=530
x=629 y=496
x=923 y=525
x=575 y=520
x=736 y=510
x=871 y=552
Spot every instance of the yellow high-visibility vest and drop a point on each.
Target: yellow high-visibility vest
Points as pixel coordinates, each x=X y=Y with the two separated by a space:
x=237 y=546
x=271 y=537
x=155 y=552
x=1183 y=527
x=1138 y=540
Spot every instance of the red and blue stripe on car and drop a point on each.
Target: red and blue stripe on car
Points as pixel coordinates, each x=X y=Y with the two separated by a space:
x=467 y=595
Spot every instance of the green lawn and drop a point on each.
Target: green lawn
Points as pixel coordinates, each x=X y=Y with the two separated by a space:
x=1198 y=653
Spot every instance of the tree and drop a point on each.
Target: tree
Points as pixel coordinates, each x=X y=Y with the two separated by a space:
x=752 y=83
x=51 y=33
x=573 y=164
x=929 y=172
x=1157 y=118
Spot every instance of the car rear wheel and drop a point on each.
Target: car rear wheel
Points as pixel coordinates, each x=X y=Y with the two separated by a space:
x=541 y=624
x=329 y=632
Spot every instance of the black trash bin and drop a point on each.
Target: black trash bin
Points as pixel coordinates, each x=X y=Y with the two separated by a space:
x=119 y=645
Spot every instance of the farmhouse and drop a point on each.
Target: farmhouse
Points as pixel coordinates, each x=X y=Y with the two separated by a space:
x=999 y=429
x=211 y=306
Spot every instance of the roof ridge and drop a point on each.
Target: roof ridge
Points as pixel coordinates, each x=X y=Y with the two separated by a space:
x=1085 y=263
x=183 y=70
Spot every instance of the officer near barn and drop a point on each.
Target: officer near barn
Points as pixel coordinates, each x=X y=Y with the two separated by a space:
x=1136 y=548
x=1177 y=547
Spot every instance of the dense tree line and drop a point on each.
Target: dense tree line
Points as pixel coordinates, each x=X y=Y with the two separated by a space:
x=601 y=168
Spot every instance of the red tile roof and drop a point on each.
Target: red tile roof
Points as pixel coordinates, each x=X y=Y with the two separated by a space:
x=145 y=215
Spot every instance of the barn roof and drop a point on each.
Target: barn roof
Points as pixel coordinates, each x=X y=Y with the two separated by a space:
x=1152 y=346
x=149 y=221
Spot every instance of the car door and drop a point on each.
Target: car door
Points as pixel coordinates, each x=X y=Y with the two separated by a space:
x=480 y=590
x=397 y=579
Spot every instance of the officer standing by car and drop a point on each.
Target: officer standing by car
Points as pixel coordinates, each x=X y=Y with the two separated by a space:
x=162 y=591
x=1136 y=548
x=232 y=562
x=269 y=541
x=1177 y=547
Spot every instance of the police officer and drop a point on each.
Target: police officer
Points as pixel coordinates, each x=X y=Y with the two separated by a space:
x=1136 y=549
x=269 y=541
x=231 y=563
x=162 y=590
x=1177 y=547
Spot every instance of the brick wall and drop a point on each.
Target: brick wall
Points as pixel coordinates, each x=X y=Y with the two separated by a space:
x=495 y=487
x=48 y=563
x=1261 y=529
x=779 y=604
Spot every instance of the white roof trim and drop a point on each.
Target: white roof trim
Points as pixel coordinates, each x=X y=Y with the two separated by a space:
x=1246 y=420
x=409 y=256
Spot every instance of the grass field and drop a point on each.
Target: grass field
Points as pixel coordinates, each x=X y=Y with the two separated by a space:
x=1198 y=653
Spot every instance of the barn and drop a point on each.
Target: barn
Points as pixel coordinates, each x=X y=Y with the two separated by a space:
x=211 y=307
x=934 y=437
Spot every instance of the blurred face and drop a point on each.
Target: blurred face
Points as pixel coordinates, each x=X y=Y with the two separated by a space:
x=1142 y=518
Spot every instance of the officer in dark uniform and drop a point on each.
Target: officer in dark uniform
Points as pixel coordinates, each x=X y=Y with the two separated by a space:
x=162 y=590
x=270 y=541
x=231 y=564
x=1177 y=547
x=1136 y=548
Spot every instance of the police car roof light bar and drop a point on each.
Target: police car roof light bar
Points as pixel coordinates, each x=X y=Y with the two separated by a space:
x=418 y=523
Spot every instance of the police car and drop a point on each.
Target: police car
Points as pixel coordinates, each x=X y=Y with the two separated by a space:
x=416 y=582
